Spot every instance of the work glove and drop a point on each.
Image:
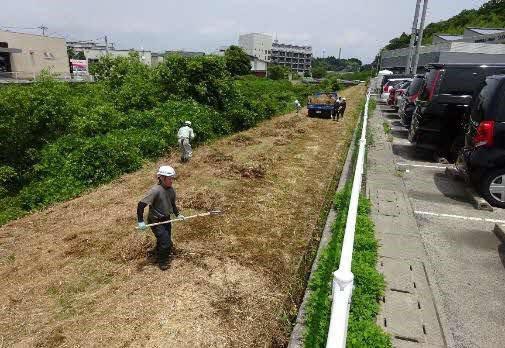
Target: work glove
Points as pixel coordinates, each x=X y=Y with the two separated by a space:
x=181 y=217
x=142 y=225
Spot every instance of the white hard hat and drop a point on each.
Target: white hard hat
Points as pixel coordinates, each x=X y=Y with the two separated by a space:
x=296 y=100
x=188 y=123
x=166 y=171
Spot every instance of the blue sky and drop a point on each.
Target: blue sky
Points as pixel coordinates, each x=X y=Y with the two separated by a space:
x=359 y=27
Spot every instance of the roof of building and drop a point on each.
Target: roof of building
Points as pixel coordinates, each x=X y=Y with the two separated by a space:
x=450 y=37
x=487 y=31
x=30 y=34
x=186 y=53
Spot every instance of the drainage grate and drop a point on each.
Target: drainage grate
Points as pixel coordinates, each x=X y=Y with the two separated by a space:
x=408 y=339
x=402 y=291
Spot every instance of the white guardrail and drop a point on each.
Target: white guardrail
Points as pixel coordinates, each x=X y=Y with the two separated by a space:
x=343 y=279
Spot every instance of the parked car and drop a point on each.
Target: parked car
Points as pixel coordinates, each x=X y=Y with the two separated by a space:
x=386 y=78
x=398 y=93
x=484 y=153
x=322 y=104
x=407 y=101
x=444 y=103
x=388 y=86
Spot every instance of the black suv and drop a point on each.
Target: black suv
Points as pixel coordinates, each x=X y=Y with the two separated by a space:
x=408 y=100
x=484 y=152
x=444 y=103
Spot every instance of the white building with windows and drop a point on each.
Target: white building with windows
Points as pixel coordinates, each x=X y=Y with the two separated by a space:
x=257 y=45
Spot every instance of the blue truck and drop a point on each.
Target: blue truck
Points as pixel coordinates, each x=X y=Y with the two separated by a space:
x=322 y=104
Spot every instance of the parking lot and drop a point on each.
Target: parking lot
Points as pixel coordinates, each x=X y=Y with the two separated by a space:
x=465 y=261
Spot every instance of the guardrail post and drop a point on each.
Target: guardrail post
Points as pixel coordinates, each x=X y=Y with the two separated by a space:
x=343 y=283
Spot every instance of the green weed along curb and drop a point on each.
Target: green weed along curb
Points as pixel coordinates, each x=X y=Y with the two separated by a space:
x=369 y=283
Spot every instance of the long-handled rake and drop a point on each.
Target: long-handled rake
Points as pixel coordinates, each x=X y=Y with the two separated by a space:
x=212 y=212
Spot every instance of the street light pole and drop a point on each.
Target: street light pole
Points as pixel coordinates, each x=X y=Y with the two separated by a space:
x=413 y=36
x=420 y=39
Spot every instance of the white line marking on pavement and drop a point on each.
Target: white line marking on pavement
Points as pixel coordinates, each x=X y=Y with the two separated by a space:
x=420 y=165
x=460 y=217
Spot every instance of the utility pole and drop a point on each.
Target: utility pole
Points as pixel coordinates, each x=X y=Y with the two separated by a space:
x=106 y=45
x=44 y=28
x=413 y=37
x=420 y=39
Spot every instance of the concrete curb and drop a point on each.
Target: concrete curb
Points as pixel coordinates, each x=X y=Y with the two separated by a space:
x=296 y=338
x=499 y=231
x=478 y=202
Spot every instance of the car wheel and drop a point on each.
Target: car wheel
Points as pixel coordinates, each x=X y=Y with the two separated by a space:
x=492 y=187
x=310 y=113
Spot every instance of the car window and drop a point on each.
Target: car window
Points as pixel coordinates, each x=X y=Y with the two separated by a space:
x=499 y=96
x=428 y=81
x=485 y=104
x=415 y=86
x=460 y=81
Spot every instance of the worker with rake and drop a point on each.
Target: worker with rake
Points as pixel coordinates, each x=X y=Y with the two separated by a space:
x=341 y=109
x=161 y=202
x=185 y=134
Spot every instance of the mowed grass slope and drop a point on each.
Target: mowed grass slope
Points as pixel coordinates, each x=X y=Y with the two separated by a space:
x=78 y=273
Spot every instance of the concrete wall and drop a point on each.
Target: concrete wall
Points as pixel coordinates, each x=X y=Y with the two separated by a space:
x=456 y=57
x=258 y=65
x=37 y=53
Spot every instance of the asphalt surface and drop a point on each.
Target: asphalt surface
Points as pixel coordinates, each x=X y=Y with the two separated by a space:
x=467 y=259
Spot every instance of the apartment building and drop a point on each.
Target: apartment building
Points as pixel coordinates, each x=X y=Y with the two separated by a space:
x=297 y=58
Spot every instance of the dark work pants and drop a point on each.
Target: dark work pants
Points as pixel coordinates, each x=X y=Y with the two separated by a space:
x=341 y=111
x=163 y=235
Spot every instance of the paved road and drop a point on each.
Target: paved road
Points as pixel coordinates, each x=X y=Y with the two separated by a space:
x=467 y=259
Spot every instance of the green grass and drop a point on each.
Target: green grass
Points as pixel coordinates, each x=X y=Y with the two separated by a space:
x=369 y=283
x=387 y=128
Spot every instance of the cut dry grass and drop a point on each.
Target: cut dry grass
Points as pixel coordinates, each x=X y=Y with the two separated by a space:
x=79 y=273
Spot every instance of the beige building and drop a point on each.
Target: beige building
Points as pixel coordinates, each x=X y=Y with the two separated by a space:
x=24 y=56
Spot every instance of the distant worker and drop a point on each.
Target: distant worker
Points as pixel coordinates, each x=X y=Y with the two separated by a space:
x=298 y=107
x=336 y=108
x=343 y=105
x=185 y=134
x=161 y=202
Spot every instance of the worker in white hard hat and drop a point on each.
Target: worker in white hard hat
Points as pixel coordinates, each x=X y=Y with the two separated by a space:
x=161 y=202
x=298 y=106
x=185 y=134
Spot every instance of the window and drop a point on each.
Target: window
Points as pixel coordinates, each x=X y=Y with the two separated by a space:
x=415 y=86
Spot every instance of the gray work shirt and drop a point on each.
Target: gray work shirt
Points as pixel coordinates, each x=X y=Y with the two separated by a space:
x=161 y=203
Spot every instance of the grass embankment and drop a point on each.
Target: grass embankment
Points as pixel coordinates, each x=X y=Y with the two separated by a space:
x=78 y=273
x=369 y=283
